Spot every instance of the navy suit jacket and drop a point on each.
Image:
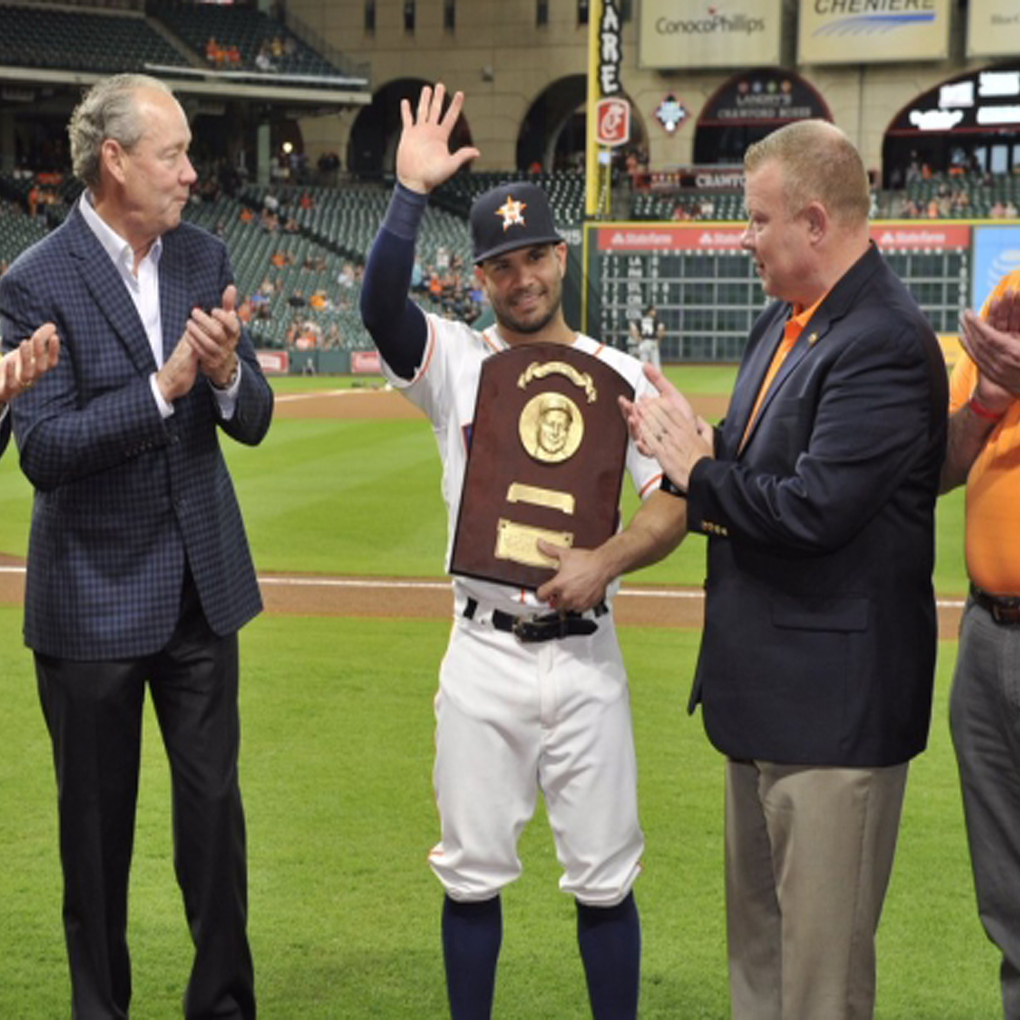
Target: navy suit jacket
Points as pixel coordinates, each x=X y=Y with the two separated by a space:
x=820 y=626
x=123 y=497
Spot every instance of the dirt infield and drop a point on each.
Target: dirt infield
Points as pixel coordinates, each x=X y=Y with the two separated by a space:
x=427 y=598
x=373 y=404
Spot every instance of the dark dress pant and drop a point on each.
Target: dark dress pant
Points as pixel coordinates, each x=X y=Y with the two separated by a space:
x=94 y=714
x=984 y=717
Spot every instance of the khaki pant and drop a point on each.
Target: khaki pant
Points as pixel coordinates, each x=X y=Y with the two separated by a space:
x=809 y=852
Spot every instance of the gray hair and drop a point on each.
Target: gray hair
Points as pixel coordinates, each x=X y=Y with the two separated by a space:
x=820 y=164
x=108 y=110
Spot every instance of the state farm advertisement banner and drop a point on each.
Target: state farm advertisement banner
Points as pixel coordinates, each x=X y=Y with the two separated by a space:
x=872 y=31
x=688 y=33
x=691 y=237
x=663 y=238
x=920 y=238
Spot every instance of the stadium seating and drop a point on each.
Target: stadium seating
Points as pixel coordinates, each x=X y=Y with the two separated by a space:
x=17 y=231
x=246 y=28
x=565 y=190
x=79 y=41
x=333 y=229
x=939 y=193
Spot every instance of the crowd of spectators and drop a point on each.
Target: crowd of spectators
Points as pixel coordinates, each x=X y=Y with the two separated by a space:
x=946 y=202
x=448 y=287
x=698 y=208
x=441 y=280
x=267 y=58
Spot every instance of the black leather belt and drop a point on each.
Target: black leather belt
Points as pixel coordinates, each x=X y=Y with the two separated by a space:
x=542 y=627
x=1004 y=609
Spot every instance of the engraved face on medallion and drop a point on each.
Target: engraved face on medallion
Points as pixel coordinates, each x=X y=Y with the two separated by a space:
x=551 y=427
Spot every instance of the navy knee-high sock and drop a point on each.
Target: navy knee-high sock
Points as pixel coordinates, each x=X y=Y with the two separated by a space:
x=472 y=933
x=610 y=940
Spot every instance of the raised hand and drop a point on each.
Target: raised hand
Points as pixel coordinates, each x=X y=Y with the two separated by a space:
x=424 y=159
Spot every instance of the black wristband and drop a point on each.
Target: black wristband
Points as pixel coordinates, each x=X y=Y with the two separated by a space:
x=405 y=211
x=668 y=485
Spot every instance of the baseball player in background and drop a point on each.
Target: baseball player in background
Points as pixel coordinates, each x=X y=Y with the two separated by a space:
x=650 y=331
x=514 y=716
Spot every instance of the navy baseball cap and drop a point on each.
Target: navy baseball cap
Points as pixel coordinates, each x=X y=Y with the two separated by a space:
x=514 y=215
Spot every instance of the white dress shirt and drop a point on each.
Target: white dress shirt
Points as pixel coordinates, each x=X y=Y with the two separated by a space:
x=144 y=291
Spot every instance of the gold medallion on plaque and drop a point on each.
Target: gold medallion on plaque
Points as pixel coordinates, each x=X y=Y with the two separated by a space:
x=551 y=427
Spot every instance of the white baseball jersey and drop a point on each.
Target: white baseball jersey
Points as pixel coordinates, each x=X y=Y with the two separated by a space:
x=446 y=388
x=515 y=718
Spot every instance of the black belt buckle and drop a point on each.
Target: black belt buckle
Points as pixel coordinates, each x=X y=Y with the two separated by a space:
x=1006 y=615
x=1004 y=610
x=530 y=629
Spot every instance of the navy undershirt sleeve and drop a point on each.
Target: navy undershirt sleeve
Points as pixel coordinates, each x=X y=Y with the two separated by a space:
x=398 y=327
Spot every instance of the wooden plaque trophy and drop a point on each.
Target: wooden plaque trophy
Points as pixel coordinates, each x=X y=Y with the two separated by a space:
x=547 y=451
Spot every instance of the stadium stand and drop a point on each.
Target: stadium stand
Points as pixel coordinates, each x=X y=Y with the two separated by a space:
x=17 y=231
x=260 y=42
x=947 y=196
x=299 y=270
x=702 y=205
x=55 y=38
x=565 y=190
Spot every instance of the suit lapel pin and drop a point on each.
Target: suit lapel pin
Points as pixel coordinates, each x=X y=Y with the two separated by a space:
x=813 y=339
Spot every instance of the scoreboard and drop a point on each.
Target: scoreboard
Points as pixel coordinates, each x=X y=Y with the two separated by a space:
x=706 y=291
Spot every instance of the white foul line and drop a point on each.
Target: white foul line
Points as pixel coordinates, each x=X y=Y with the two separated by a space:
x=284 y=581
x=283 y=398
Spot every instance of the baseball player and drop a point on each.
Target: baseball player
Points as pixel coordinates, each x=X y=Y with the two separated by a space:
x=548 y=710
x=650 y=330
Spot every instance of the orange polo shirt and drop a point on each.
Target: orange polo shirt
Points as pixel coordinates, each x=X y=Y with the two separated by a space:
x=791 y=334
x=993 y=485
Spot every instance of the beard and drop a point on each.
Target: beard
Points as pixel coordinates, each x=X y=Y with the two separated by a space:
x=524 y=326
x=508 y=320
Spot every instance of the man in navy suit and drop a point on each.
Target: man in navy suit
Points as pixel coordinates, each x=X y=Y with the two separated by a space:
x=817 y=496
x=138 y=568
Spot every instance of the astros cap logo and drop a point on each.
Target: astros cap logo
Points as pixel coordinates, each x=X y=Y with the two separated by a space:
x=512 y=212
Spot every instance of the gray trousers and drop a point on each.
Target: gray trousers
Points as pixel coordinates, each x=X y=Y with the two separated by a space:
x=809 y=852
x=984 y=716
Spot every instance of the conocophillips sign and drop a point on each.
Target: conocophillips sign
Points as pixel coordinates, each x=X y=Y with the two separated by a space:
x=685 y=34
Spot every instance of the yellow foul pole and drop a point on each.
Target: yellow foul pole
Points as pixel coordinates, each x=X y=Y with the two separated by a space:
x=594 y=189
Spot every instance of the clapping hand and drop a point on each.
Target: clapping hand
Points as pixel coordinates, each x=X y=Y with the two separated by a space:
x=993 y=342
x=20 y=368
x=213 y=337
x=666 y=428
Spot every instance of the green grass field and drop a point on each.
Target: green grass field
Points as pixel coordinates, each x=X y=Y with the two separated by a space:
x=336 y=776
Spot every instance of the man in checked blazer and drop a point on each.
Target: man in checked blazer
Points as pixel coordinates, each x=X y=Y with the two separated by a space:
x=138 y=568
x=817 y=496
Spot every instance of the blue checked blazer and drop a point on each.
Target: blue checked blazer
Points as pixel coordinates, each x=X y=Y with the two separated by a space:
x=122 y=496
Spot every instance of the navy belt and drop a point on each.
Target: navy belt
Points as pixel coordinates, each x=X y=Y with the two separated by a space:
x=1004 y=609
x=542 y=627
